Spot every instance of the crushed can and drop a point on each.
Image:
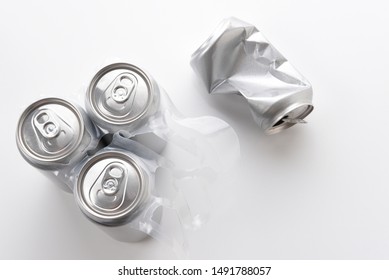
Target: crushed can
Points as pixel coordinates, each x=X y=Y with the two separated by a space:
x=238 y=59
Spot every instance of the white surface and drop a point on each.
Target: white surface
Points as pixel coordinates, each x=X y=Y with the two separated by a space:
x=315 y=191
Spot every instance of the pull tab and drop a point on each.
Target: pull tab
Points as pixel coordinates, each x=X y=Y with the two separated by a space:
x=120 y=94
x=108 y=190
x=294 y=121
x=53 y=132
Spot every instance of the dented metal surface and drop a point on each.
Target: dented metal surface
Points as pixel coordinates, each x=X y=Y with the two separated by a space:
x=238 y=59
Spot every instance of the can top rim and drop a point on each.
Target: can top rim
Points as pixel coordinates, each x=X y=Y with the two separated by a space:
x=91 y=101
x=23 y=147
x=112 y=218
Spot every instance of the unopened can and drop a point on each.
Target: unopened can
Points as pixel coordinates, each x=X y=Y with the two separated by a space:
x=53 y=133
x=121 y=96
x=111 y=189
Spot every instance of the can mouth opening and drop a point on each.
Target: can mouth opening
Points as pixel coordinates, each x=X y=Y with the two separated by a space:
x=298 y=113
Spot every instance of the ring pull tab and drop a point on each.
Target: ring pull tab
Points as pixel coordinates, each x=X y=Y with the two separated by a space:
x=294 y=121
x=53 y=132
x=120 y=94
x=108 y=190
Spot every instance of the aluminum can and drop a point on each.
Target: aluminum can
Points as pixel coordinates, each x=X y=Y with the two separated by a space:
x=238 y=59
x=111 y=189
x=53 y=134
x=121 y=96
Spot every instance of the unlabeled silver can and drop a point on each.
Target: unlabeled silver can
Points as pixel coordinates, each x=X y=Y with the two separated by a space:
x=53 y=134
x=111 y=190
x=238 y=59
x=121 y=96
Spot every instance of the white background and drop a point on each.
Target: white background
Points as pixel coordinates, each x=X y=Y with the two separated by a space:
x=315 y=191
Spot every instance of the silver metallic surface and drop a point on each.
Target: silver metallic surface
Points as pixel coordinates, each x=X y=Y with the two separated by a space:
x=127 y=232
x=121 y=96
x=53 y=132
x=111 y=187
x=237 y=58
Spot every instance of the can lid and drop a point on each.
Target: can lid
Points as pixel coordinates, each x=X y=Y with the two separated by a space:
x=290 y=116
x=120 y=94
x=49 y=130
x=111 y=187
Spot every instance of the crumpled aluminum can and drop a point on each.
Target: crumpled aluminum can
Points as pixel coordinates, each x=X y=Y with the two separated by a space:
x=238 y=59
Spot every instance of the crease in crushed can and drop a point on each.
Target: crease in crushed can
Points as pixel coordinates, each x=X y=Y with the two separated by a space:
x=238 y=59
